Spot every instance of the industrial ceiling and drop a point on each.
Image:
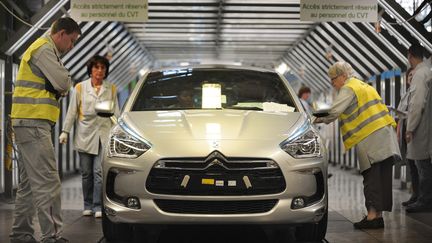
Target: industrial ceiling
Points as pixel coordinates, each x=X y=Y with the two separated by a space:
x=247 y=32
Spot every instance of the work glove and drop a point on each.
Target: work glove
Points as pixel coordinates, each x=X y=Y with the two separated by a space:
x=63 y=138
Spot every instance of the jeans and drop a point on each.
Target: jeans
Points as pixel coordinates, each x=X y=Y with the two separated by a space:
x=424 y=168
x=91 y=172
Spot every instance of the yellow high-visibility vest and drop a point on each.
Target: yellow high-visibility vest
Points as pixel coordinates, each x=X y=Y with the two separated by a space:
x=30 y=100
x=368 y=115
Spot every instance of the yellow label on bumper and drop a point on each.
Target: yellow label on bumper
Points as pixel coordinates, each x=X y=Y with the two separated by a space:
x=207 y=181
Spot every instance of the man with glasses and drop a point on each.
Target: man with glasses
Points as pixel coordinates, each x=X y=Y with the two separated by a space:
x=41 y=81
x=365 y=124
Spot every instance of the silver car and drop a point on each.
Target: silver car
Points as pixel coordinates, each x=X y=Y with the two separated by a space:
x=214 y=145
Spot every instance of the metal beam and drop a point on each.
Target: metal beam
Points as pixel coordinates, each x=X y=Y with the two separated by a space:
x=414 y=27
x=348 y=57
x=124 y=42
x=112 y=39
x=218 y=34
x=372 y=44
x=38 y=21
x=81 y=41
x=386 y=43
x=305 y=77
x=314 y=57
x=319 y=76
x=351 y=48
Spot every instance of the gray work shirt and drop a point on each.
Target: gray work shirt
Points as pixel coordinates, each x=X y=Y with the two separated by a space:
x=372 y=149
x=47 y=60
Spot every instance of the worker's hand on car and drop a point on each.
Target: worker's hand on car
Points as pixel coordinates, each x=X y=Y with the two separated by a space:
x=316 y=120
x=63 y=138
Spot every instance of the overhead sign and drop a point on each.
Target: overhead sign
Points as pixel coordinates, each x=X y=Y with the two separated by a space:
x=339 y=10
x=109 y=10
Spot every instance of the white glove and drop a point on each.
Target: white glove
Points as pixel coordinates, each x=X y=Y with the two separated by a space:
x=63 y=138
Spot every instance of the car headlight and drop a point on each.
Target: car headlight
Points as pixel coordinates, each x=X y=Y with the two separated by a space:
x=123 y=143
x=305 y=145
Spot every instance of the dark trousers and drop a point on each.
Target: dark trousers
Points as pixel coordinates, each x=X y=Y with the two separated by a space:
x=414 y=178
x=425 y=173
x=377 y=182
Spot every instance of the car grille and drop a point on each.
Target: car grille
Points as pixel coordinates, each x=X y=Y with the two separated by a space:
x=215 y=207
x=215 y=175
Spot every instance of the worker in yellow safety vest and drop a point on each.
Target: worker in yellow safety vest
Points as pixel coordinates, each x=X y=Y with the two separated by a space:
x=365 y=123
x=41 y=80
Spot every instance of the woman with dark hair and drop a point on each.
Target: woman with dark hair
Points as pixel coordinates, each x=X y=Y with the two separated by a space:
x=305 y=94
x=91 y=130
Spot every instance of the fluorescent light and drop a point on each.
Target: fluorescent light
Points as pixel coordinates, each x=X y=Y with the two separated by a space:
x=184 y=64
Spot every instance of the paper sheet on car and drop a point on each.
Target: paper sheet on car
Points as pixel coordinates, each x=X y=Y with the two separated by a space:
x=271 y=106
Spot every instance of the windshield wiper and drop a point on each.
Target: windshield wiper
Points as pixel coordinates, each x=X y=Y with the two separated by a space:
x=248 y=108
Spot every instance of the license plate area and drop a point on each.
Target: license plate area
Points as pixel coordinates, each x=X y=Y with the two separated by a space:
x=229 y=182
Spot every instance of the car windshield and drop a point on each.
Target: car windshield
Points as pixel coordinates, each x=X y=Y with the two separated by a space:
x=189 y=88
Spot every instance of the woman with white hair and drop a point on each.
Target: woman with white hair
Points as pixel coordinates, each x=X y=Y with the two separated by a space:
x=365 y=123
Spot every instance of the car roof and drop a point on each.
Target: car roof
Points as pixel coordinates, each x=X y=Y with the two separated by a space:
x=215 y=66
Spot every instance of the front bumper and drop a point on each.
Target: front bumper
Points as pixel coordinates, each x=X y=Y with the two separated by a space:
x=275 y=208
x=151 y=214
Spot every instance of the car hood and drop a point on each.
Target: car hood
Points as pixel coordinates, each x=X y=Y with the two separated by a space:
x=157 y=126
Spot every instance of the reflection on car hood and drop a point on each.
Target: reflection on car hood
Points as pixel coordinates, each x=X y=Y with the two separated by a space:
x=156 y=126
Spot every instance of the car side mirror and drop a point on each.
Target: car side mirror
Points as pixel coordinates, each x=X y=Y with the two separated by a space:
x=321 y=113
x=104 y=108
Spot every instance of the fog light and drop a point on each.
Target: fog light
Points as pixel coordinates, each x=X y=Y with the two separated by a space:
x=298 y=202
x=133 y=202
x=110 y=211
x=319 y=214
